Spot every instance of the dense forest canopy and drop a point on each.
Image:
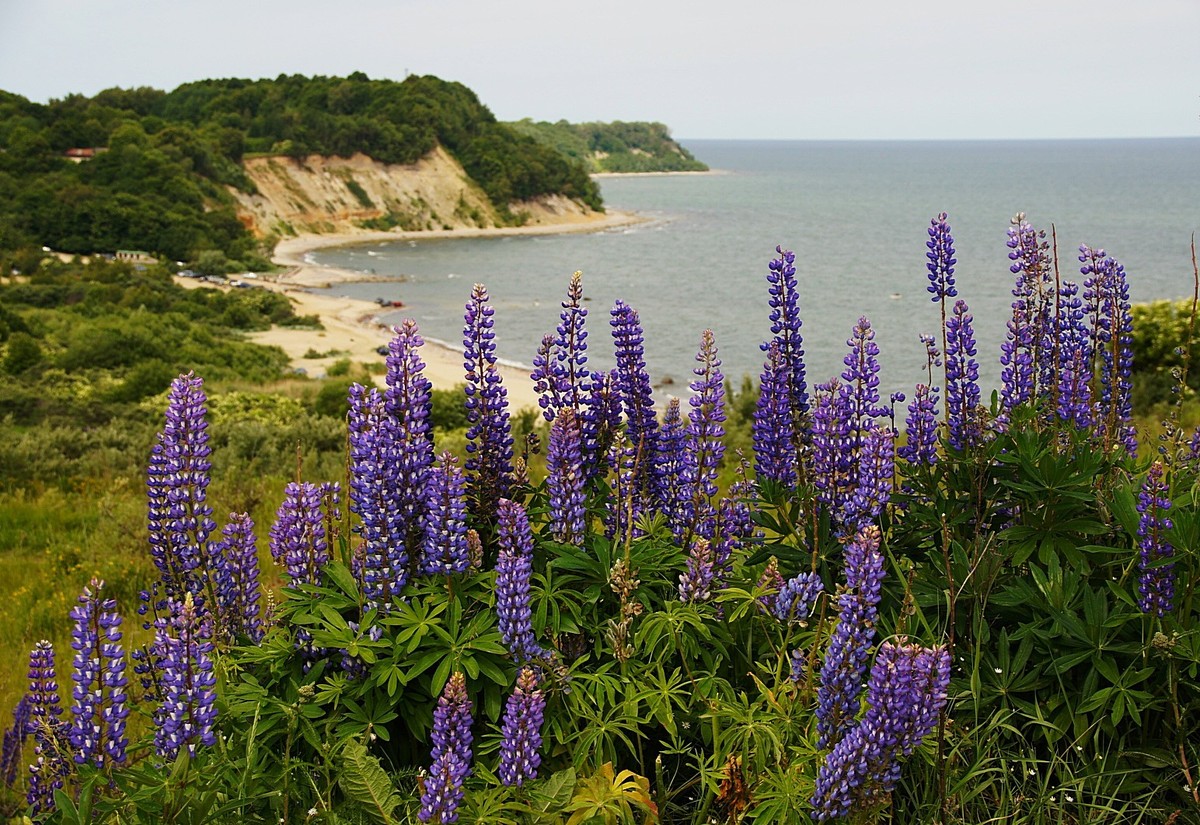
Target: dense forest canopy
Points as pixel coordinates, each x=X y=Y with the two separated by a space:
x=616 y=146
x=157 y=180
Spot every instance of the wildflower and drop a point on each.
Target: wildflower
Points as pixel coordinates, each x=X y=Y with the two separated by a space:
x=703 y=450
x=1074 y=360
x=298 y=537
x=921 y=424
x=784 y=302
x=451 y=754
x=695 y=583
x=962 y=380
x=771 y=581
x=14 y=741
x=941 y=260
x=521 y=731
x=774 y=426
x=445 y=548
x=797 y=597
x=188 y=710
x=564 y=463
x=237 y=580
x=489 y=440
x=641 y=428
x=669 y=465
x=514 y=567
x=1106 y=299
x=407 y=400
x=97 y=728
x=49 y=768
x=599 y=423
x=1156 y=585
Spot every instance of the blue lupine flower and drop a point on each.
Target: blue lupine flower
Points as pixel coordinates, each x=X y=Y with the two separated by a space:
x=703 y=449
x=599 y=423
x=922 y=425
x=669 y=461
x=941 y=260
x=1106 y=296
x=489 y=438
x=696 y=582
x=521 y=731
x=14 y=741
x=564 y=482
x=97 y=729
x=964 y=428
x=50 y=767
x=451 y=754
x=298 y=537
x=785 y=320
x=188 y=710
x=237 y=580
x=445 y=547
x=1156 y=584
x=774 y=425
x=797 y=597
x=641 y=424
x=514 y=569
x=408 y=401
x=1074 y=359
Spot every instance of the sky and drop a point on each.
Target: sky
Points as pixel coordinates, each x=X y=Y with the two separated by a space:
x=752 y=69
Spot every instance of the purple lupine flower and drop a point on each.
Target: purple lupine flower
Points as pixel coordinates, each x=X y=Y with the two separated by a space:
x=451 y=754
x=375 y=461
x=521 y=731
x=832 y=445
x=50 y=766
x=408 y=402
x=14 y=741
x=669 y=495
x=774 y=425
x=797 y=597
x=941 y=260
x=237 y=580
x=1156 y=585
x=1035 y=285
x=489 y=438
x=599 y=423
x=546 y=380
x=873 y=487
x=570 y=345
x=922 y=425
x=962 y=380
x=188 y=710
x=906 y=696
x=445 y=548
x=177 y=481
x=514 y=568
x=641 y=427
x=298 y=539
x=1074 y=390
x=97 y=728
x=1106 y=295
x=564 y=482
x=734 y=528
x=862 y=380
x=704 y=450
x=696 y=582
x=785 y=320
x=850 y=645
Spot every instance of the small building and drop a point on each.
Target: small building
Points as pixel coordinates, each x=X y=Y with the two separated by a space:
x=135 y=256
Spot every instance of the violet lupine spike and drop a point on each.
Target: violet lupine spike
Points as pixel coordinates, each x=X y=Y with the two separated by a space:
x=600 y=424
x=1035 y=286
x=921 y=425
x=833 y=447
x=696 y=582
x=704 y=449
x=547 y=383
x=637 y=395
x=849 y=647
x=862 y=379
x=1156 y=582
x=14 y=742
x=797 y=597
x=489 y=437
x=784 y=300
x=571 y=346
x=734 y=528
x=564 y=481
x=237 y=584
x=179 y=517
x=298 y=539
x=669 y=492
x=97 y=728
x=375 y=460
x=451 y=754
x=964 y=428
x=905 y=698
x=408 y=401
x=514 y=569
x=50 y=767
x=873 y=488
x=445 y=546
x=188 y=710
x=774 y=425
x=521 y=731
x=1106 y=295
x=1074 y=392
x=941 y=260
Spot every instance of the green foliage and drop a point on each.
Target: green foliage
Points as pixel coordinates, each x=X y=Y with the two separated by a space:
x=1163 y=331
x=614 y=147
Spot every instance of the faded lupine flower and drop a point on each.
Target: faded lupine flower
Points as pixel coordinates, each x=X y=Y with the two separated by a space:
x=50 y=765
x=375 y=462
x=188 y=711
x=177 y=485
x=1074 y=359
x=905 y=698
x=445 y=548
x=695 y=583
x=1156 y=585
x=775 y=456
x=514 y=567
x=97 y=729
x=641 y=424
x=669 y=494
x=921 y=424
x=474 y=550
x=797 y=597
x=451 y=754
x=564 y=483
x=771 y=581
x=850 y=645
x=704 y=450
x=489 y=438
x=784 y=300
x=941 y=260
x=298 y=538
x=623 y=582
x=237 y=580
x=521 y=731
x=964 y=428
x=1106 y=298
x=408 y=402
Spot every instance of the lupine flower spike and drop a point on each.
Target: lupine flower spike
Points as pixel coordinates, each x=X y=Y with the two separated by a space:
x=50 y=766
x=522 y=731
x=564 y=482
x=97 y=730
x=445 y=548
x=1156 y=585
x=451 y=754
x=489 y=440
x=188 y=711
x=514 y=567
x=408 y=403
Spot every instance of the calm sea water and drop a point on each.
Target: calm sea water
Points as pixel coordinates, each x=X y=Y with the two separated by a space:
x=854 y=212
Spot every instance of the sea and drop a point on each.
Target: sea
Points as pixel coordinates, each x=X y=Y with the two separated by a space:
x=855 y=213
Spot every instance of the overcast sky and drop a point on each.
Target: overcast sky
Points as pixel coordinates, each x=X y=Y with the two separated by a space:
x=746 y=69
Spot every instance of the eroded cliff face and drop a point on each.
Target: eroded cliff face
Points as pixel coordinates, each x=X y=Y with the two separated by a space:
x=327 y=195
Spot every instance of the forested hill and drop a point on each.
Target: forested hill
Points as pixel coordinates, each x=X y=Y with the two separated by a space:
x=616 y=146
x=151 y=170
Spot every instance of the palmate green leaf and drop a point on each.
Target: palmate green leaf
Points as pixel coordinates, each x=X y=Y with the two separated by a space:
x=553 y=793
x=365 y=782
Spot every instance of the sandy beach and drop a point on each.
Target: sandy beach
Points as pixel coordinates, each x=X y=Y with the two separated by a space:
x=352 y=329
